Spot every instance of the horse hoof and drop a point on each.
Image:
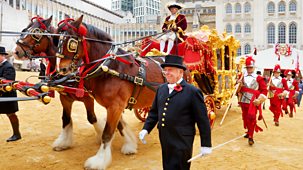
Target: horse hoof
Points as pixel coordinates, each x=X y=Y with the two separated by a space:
x=94 y=163
x=129 y=149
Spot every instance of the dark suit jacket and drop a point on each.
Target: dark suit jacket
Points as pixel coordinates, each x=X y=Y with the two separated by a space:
x=7 y=71
x=176 y=115
x=42 y=71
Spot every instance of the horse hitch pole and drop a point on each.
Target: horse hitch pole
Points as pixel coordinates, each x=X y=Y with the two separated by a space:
x=62 y=80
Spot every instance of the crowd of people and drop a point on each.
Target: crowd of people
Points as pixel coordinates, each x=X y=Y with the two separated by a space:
x=283 y=93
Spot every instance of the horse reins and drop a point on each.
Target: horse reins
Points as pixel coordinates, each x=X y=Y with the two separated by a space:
x=42 y=29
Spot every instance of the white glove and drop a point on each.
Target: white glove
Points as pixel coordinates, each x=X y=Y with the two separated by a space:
x=142 y=135
x=205 y=150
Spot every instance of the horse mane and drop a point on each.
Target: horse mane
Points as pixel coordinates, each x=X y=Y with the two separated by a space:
x=28 y=26
x=98 y=33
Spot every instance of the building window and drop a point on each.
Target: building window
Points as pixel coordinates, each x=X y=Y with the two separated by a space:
x=292 y=6
x=271 y=34
x=247 y=7
x=281 y=7
x=292 y=33
x=271 y=8
x=282 y=33
x=238 y=28
x=18 y=4
x=229 y=8
x=247 y=49
x=239 y=52
x=229 y=28
x=238 y=8
x=23 y=4
x=247 y=28
x=11 y=3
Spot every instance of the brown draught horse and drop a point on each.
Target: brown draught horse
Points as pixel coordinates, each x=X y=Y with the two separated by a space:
x=29 y=45
x=109 y=88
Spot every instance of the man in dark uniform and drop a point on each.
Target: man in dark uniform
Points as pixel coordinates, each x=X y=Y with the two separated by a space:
x=8 y=72
x=42 y=70
x=177 y=107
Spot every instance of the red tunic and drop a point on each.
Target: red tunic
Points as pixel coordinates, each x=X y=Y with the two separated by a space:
x=293 y=87
x=253 y=86
x=275 y=101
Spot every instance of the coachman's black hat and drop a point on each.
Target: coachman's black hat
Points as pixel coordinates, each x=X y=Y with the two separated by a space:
x=174 y=5
x=2 y=51
x=173 y=61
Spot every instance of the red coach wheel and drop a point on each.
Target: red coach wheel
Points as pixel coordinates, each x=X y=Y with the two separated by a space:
x=142 y=114
x=211 y=110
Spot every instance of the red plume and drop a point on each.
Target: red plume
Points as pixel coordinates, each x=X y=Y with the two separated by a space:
x=82 y=30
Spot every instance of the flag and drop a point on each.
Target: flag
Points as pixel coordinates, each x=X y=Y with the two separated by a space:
x=297 y=65
x=255 y=51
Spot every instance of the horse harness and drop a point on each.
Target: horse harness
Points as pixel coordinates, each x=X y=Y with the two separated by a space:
x=102 y=65
x=37 y=37
x=139 y=80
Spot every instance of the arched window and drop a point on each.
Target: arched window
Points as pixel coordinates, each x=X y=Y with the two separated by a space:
x=247 y=7
x=247 y=28
x=281 y=6
x=229 y=28
x=239 y=52
x=247 y=49
x=229 y=9
x=271 y=8
x=292 y=6
x=271 y=34
x=238 y=8
x=282 y=33
x=292 y=33
x=238 y=28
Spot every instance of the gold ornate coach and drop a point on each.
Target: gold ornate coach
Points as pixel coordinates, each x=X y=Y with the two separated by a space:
x=216 y=78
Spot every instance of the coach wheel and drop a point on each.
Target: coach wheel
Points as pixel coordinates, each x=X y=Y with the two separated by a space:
x=142 y=114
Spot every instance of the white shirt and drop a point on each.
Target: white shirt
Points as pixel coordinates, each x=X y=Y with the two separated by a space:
x=172 y=86
x=172 y=17
x=3 y=62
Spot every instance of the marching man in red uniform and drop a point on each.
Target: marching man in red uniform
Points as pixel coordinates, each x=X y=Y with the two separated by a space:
x=293 y=92
x=277 y=91
x=176 y=22
x=253 y=93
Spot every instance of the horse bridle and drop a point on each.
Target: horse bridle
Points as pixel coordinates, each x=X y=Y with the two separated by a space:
x=35 y=36
x=72 y=44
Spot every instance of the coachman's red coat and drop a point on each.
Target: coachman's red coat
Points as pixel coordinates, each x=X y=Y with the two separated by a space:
x=181 y=25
